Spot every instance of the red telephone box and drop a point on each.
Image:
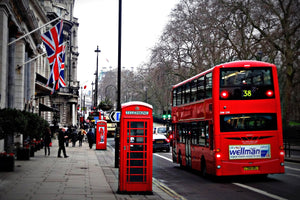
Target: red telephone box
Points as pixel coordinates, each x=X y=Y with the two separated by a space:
x=101 y=134
x=135 y=171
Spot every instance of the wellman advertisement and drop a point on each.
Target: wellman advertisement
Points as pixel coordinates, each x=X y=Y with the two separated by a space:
x=249 y=151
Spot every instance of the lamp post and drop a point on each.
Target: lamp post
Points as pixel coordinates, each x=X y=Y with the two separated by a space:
x=117 y=135
x=92 y=92
x=96 y=80
x=81 y=106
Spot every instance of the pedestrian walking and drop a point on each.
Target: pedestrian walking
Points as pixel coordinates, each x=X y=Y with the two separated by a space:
x=90 y=136
x=61 y=143
x=80 y=136
x=47 y=140
x=68 y=133
x=74 y=137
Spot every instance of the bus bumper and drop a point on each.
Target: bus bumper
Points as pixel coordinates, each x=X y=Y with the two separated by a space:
x=227 y=168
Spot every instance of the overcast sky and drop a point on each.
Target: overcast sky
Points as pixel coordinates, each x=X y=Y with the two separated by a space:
x=142 y=24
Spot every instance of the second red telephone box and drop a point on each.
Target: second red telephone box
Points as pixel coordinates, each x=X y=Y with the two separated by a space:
x=101 y=134
x=135 y=171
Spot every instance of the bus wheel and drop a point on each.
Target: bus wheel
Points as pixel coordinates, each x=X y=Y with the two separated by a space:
x=203 y=168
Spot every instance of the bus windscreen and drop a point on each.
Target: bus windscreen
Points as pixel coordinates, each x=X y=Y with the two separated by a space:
x=243 y=83
x=248 y=122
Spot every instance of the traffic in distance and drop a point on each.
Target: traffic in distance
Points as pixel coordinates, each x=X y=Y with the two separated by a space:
x=227 y=120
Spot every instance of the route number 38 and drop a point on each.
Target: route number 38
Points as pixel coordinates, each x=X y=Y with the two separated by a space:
x=247 y=93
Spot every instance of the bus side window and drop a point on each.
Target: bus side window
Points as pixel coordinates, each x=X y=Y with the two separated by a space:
x=201 y=91
x=211 y=137
x=175 y=97
x=180 y=133
x=207 y=135
x=184 y=135
x=178 y=96
x=195 y=133
x=208 y=85
x=194 y=90
x=187 y=95
x=202 y=133
x=182 y=94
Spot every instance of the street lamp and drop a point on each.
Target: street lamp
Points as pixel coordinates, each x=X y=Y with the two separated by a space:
x=117 y=135
x=92 y=91
x=96 y=79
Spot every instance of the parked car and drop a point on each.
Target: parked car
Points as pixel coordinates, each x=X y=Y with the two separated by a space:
x=160 y=143
x=161 y=130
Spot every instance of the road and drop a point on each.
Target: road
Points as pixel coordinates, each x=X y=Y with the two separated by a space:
x=191 y=185
x=186 y=184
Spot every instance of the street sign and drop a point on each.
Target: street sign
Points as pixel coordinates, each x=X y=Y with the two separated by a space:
x=115 y=116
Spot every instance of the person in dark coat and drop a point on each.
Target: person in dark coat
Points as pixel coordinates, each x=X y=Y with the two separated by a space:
x=74 y=137
x=80 y=137
x=90 y=136
x=69 y=134
x=61 y=143
x=47 y=141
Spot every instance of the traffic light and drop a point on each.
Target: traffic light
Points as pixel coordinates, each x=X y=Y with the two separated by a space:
x=169 y=116
x=164 y=116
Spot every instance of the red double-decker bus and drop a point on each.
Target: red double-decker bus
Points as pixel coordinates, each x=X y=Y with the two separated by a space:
x=227 y=120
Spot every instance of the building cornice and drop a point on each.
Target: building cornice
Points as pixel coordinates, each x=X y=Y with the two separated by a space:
x=4 y=5
x=25 y=15
x=39 y=10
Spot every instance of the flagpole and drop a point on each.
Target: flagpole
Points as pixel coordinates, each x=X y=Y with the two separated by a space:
x=34 y=30
x=28 y=61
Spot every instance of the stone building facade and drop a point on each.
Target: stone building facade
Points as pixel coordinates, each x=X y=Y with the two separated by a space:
x=24 y=68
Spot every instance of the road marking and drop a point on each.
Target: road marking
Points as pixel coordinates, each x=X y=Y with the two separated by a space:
x=291 y=168
x=167 y=190
x=168 y=159
x=295 y=175
x=260 y=191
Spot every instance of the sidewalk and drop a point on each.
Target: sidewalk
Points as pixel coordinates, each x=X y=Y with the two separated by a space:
x=87 y=174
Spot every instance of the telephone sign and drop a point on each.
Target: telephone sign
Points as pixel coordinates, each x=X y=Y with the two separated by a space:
x=101 y=134
x=135 y=171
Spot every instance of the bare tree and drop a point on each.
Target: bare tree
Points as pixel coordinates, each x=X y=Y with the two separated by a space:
x=277 y=23
x=202 y=34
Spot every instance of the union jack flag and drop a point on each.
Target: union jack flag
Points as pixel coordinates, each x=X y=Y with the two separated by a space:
x=53 y=41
